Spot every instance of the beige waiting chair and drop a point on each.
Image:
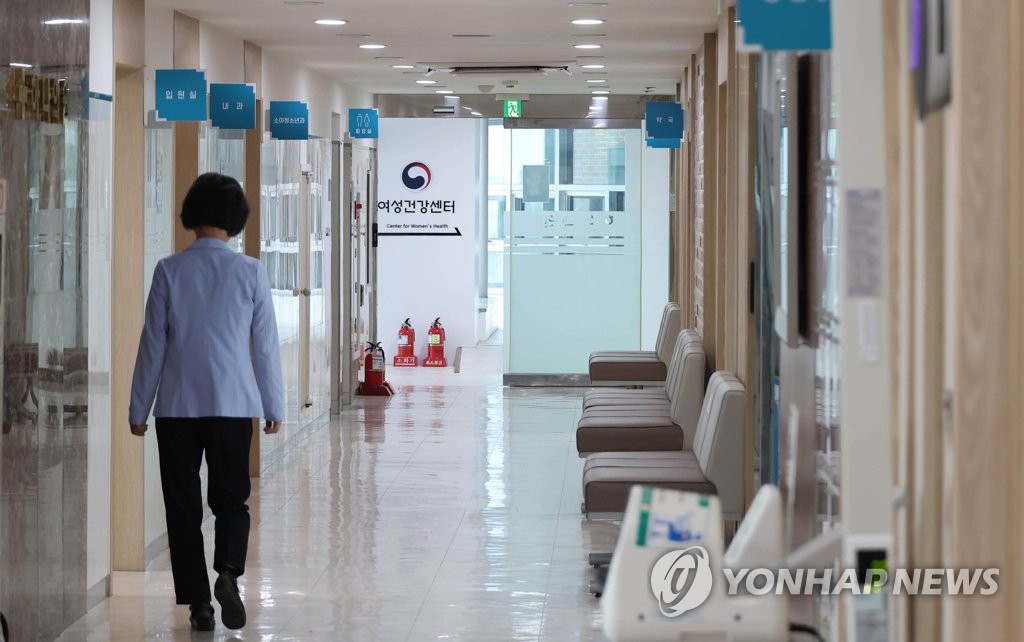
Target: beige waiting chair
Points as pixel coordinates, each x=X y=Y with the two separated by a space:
x=640 y=420
x=715 y=466
x=639 y=367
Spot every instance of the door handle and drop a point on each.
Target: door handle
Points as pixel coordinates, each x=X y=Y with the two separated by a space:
x=301 y=292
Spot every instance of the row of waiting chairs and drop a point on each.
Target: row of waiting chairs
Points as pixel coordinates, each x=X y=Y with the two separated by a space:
x=683 y=435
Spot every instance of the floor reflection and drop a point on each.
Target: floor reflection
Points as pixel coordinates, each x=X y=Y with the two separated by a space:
x=450 y=511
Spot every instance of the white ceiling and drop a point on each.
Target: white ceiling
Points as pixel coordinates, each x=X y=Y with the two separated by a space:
x=645 y=43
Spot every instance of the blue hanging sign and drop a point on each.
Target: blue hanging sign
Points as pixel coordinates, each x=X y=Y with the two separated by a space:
x=363 y=123
x=289 y=120
x=233 y=106
x=664 y=121
x=181 y=94
x=786 y=25
x=664 y=143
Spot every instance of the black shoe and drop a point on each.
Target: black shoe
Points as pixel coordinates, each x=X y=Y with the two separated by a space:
x=202 y=617
x=232 y=611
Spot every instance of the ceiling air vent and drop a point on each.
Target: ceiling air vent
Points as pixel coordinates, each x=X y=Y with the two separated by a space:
x=499 y=70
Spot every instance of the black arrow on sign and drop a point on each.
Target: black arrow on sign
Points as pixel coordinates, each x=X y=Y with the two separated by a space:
x=377 y=234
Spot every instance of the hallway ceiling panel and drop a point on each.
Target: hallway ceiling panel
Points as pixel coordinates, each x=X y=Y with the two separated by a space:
x=644 y=43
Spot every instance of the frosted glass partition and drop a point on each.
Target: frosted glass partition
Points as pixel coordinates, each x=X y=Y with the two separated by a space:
x=223 y=151
x=161 y=216
x=280 y=247
x=573 y=257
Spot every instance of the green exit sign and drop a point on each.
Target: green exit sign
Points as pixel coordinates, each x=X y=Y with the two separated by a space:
x=513 y=109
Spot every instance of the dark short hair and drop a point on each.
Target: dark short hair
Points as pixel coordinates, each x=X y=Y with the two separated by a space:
x=215 y=200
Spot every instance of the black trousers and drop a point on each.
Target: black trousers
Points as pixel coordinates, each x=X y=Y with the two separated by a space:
x=182 y=442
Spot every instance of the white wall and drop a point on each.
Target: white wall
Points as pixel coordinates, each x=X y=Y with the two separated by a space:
x=101 y=142
x=159 y=47
x=101 y=46
x=100 y=420
x=428 y=277
x=858 y=69
x=655 y=232
x=285 y=80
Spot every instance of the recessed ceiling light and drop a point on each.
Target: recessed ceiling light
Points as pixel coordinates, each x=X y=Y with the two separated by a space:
x=303 y=3
x=371 y=46
x=471 y=35
x=588 y=22
x=476 y=113
x=588 y=4
x=592 y=66
x=600 y=91
x=588 y=46
x=331 y=22
x=22 y=65
x=598 y=80
x=444 y=91
x=426 y=82
x=64 y=21
x=402 y=67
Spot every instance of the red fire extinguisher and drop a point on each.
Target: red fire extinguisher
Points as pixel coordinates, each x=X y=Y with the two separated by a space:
x=406 y=346
x=374 y=383
x=435 y=346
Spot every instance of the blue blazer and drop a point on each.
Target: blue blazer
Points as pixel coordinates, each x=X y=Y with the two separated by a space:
x=206 y=305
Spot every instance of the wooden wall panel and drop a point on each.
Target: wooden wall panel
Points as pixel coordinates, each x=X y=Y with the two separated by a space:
x=130 y=44
x=252 y=63
x=126 y=249
x=186 y=135
x=899 y=202
x=706 y=194
x=988 y=408
x=683 y=249
x=723 y=243
x=251 y=239
x=747 y=346
x=729 y=241
x=186 y=41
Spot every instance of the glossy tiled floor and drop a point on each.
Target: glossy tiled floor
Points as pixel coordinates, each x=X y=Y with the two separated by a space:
x=450 y=511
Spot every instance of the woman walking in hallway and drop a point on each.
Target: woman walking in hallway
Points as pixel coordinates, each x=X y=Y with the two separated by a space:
x=209 y=356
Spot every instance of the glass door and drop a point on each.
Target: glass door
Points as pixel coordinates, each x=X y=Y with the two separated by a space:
x=294 y=197
x=572 y=261
x=356 y=204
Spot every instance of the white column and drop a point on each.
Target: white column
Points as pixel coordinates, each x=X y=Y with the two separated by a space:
x=867 y=481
